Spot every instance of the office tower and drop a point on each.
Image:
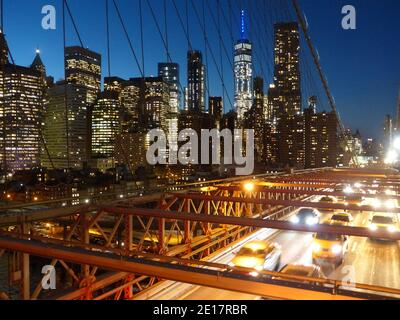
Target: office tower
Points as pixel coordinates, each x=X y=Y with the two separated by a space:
x=255 y=119
x=154 y=102
x=196 y=81
x=22 y=95
x=66 y=141
x=291 y=147
x=105 y=124
x=243 y=65
x=216 y=110
x=286 y=92
x=321 y=138
x=83 y=67
x=170 y=73
x=131 y=149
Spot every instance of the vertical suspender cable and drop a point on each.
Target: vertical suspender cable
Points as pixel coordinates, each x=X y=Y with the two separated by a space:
x=206 y=51
x=166 y=31
x=220 y=47
x=108 y=38
x=142 y=37
x=65 y=83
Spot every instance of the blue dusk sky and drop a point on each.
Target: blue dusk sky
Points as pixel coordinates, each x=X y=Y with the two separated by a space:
x=362 y=65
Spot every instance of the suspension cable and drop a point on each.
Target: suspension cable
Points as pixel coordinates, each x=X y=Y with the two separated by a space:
x=73 y=23
x=211 y=51
x=108 y=38
x=128 y=38
x=142 y=36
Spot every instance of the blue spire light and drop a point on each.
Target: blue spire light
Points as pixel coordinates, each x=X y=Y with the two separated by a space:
x=243 y=25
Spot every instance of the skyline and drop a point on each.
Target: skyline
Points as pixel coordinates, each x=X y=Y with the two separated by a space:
x=363 y=57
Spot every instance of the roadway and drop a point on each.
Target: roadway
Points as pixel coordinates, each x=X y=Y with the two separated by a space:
x=374 y=262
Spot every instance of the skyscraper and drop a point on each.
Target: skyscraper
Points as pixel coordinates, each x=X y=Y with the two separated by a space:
x=169 y=72
x=243 y=65
x=321 y=138
x=196 y=81
x=287 y=90
x=216 y=110
x=105 y=124
x=72 y=152
x=83 y=67
x=22 y=95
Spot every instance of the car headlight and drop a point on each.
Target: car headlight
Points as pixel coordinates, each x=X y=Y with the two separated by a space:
x=390 y=204
x=294 y=220
x=376 y=203
x=254 y=274
x=336 y=249
x=373 y=227
x=392 y=229
x=311 y=221
x=316 y=247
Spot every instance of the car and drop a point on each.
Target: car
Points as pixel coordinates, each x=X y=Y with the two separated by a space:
x=302 y=270
x=383 y=222
x=309 y=216
x=329 y=249
x=342 y=218
x=258 y=256
x=327 y=200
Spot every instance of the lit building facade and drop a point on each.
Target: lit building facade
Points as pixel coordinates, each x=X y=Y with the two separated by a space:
x=286 y=91
x=66 y=141
x=22 y=98
x=196 y=81
x=105 y=124
x=321 y=138
x=243 y=67
x=216 y=110
x=169 y=72
x=83 y=67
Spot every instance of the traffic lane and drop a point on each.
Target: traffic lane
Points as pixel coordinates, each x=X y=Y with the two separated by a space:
x=375 y=263
x=372 y=262
x=205 y=293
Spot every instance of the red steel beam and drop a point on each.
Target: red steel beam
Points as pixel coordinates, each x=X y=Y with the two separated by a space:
x=253 y=222
x=189 y=275
x=285 y=203
x=307 y=192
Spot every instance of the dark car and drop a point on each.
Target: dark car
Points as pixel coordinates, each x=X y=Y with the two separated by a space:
x=309 y=216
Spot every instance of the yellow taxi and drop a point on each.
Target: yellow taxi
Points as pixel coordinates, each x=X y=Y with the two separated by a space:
x=329 y=249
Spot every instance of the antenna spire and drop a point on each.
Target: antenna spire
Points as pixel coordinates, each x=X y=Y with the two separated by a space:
x=243 y=25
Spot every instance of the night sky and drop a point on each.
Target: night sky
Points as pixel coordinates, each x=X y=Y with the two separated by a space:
x=362 y=65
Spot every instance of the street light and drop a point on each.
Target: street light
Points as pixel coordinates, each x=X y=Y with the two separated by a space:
x=396 y=143
x=391 y=157
x=249 y=186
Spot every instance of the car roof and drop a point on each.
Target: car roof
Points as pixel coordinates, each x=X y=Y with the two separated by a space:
x=295 y=268
x=257 y=245
x=342 y=214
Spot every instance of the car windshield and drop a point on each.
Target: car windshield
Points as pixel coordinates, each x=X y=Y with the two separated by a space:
x=340 y=218
x=382 y=220
x=297 y=272
x=306 y=212
x=327 y=199
x=328 y=237
x=250 y=252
